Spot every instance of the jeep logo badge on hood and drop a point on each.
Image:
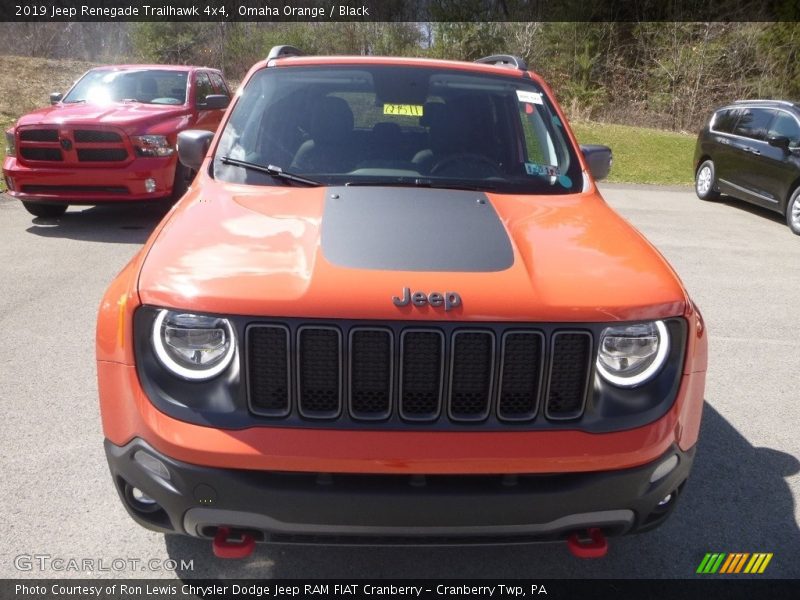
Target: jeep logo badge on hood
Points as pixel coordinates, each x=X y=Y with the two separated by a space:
x=449 y=300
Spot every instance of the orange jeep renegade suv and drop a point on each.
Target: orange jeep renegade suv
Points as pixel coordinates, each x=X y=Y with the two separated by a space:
x=394 y=308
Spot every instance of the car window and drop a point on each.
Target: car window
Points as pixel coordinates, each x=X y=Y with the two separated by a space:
x=753 y=123
x=219 y=84
x=204 y=87
x=785 y=125
x=399 y=125
x=150 y=86
x=724 y=120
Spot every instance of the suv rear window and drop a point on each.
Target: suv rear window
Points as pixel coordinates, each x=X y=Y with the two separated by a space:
x=395 y=125
x=724 y=120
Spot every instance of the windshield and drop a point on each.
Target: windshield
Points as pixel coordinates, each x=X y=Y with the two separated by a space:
x=102 y=86
x=389 y=125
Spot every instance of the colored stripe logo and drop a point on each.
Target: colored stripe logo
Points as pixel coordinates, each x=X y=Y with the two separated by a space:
x=737 y=562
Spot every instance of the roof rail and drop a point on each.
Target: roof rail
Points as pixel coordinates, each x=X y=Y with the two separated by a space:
x=765 y=100
x=504 y=60
x=281 y=51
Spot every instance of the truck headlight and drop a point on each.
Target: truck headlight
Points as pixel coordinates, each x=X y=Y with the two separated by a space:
x=152 y=145
x=195 y=347
x=630 y=355
x=11 y=148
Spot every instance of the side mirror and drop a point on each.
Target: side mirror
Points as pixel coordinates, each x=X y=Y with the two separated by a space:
x=779 y=141
x=55 y=97
x=214 y=102
x=193 y=145
x=598 y=158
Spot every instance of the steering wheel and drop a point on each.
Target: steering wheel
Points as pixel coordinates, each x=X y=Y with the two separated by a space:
x=463 y=159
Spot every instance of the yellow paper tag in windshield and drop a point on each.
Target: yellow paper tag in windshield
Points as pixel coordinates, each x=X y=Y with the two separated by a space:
x=405 y=110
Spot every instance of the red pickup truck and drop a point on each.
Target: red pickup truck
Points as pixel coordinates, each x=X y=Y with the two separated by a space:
x=112 y=137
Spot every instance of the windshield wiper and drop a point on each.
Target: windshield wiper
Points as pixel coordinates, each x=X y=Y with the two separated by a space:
x=272 y=170
x=427 y=183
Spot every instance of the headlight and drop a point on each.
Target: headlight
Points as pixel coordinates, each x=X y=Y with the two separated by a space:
x=630 y=355
x=152 y=145
x=11 y=149
x=195 y=347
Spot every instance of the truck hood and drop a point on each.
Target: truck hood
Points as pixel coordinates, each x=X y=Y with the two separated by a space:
x=124 y=115
x=347 y=252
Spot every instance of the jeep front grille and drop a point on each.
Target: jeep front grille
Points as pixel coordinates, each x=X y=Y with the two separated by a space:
x=319 y=372
x=397 y=373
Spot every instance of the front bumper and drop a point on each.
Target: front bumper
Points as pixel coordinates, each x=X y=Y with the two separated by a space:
x=394 y=509
x=90 y=185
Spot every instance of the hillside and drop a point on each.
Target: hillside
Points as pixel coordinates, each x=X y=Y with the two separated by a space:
x=26 y=83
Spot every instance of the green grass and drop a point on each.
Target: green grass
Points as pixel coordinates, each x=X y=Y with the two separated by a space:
x=642 y=155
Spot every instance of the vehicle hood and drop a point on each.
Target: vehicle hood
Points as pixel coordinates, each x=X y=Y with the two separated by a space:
x=345 y=252
x=124 y=115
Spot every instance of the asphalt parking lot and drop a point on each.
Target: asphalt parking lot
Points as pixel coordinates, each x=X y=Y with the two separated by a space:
x=741 y=265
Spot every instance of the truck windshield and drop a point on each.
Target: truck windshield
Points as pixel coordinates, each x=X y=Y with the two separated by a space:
x=398 y=125
x=103 y=86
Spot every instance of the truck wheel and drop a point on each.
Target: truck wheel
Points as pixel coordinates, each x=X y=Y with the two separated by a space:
x=793 y=212
x=49 y=211
x=705 y=182
x=183 y=177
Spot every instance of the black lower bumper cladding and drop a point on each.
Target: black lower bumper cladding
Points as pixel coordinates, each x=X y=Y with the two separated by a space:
x=326 y=508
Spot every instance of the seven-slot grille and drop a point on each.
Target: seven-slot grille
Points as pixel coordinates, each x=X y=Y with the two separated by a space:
x=417 y=374
x=69 y=146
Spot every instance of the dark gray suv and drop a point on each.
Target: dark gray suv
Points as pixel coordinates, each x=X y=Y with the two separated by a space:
x=751 y=150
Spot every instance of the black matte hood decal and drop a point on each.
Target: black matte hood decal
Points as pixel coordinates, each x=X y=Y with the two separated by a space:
x=413 y=229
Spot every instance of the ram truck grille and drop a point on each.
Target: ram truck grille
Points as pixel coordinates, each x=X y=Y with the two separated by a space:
x=69 y=146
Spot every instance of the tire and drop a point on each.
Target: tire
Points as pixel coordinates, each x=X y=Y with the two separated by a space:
x=183 y=177
x=705 y=181
x=48 y=211
x=793 y=212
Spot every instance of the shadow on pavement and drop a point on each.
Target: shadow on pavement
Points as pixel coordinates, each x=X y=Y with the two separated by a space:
x=736 y=501
x=752 y=209
x=120 y=224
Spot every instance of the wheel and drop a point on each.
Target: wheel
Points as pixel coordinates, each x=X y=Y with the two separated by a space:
x=793 y=212
x=183 y=177
x=705 y=182
x=48 y=211
x=475 y=163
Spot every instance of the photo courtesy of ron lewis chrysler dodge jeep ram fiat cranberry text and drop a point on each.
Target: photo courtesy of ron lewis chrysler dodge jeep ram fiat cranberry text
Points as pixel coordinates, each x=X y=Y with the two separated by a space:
x=394 y=308
x=111 y=137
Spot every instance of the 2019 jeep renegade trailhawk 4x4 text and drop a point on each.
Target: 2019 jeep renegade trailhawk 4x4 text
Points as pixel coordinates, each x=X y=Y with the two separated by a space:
x=393 y=307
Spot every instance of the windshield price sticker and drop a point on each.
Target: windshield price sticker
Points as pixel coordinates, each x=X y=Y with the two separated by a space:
x=405 y=110
x=533 y=97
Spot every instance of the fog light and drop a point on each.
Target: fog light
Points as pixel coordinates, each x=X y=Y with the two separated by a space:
x=141 y=497
x=666 y=500
x=150 y=185
x=152 y=464
x=664 y=469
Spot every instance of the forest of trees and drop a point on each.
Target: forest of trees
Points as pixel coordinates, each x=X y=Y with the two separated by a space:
x=661 y=74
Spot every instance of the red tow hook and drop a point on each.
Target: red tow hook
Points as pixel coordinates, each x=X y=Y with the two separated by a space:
x=596 y=547
x=227 y=548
